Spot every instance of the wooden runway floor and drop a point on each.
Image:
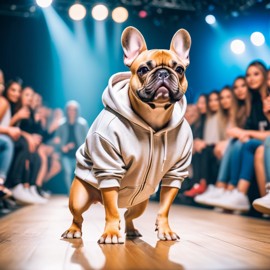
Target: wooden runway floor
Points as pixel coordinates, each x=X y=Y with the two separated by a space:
x=30 y=239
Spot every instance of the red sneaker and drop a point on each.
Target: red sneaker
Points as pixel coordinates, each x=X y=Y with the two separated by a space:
x=196 y=189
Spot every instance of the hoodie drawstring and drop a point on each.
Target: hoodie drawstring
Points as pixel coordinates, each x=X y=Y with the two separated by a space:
x=165 y=149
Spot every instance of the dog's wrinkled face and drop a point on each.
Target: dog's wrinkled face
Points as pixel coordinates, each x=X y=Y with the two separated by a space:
x=158 y=76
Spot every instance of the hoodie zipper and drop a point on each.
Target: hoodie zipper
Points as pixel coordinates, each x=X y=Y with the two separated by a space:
x=148 y=167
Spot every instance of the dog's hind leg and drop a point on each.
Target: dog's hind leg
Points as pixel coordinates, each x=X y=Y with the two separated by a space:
x=82 y=195
x=132 y=213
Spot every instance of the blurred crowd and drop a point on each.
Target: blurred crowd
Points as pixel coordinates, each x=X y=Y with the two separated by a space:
x=36 y=143
x=230 y=168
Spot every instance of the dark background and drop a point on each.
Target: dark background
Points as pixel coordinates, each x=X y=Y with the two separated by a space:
x=61 y=70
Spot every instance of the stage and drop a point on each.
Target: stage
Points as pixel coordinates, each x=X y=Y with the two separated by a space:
x=30 y=239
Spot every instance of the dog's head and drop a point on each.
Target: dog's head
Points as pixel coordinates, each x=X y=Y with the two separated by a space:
x=158 y=76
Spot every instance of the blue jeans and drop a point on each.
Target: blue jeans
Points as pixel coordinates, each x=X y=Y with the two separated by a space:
x=267 y=158
x=247 y=171
x=68 y=164
x=230 y=165
x=6 y=154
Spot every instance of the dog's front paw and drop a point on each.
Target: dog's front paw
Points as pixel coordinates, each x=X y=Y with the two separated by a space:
x=111 y=234
x=164 y=231
x=73 y=232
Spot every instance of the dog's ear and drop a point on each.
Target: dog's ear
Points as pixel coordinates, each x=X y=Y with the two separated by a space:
x=180 y=44
x=133 y=44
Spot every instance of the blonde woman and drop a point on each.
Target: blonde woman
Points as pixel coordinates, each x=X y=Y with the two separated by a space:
x=227 y=119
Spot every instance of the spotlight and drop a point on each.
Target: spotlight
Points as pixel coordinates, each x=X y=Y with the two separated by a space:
x=143 y=14
x=77 y=12
x=238 y=46
x=100 y=12
x=210 y=19
x=257 y=38
x=234 y=13
x=32 y=9
x=120 y=14
x=13 y=7
x=44 y=3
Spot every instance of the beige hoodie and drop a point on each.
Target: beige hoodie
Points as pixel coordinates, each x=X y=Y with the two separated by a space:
x=121 y=150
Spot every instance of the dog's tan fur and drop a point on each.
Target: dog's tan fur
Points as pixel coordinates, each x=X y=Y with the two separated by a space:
x=82 y=195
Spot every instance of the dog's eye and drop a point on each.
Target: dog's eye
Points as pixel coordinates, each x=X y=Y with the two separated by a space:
x=179 y=70
x=143 y=70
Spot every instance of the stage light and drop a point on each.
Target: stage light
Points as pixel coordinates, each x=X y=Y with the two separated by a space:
x=235 y=13
x=100 y=12
x=238 y=46
x=257 y=38
x=44 y=3
x=143 y=14
x=120 y=14
x=77 y=12
x=32 y=9
x=210 y=19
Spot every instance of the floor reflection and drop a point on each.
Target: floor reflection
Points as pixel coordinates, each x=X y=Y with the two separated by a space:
x=133 y=254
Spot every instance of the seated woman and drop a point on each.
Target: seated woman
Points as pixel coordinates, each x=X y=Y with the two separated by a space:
x=262 y=169
x=232 y=194
x=207 y=133
x=17 y=178
x=199 y=185
x=7 y=136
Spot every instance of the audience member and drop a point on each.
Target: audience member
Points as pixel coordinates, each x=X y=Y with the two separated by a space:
x=197 y=127
x=191 y=114
x=69 y=136
x=2 y=82
x=7 y=136
x=26 y=162
x=268 y=78
x=233 y=196
x=262 y=168
x=206 y=163
x=231 y=143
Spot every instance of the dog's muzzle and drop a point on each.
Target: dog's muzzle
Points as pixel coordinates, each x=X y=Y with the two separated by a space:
x=161 y=84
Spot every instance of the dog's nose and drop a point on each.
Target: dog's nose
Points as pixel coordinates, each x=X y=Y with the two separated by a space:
x=163 y=74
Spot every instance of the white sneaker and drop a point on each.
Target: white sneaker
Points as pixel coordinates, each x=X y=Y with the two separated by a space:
x=214 y=200
x=43 y=193
x=34 y=193
x=233 y=200
x=262 y=205
x=22 y=195
x=210 y=193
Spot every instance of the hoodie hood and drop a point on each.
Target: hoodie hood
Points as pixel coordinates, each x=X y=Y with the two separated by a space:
x=116 y=97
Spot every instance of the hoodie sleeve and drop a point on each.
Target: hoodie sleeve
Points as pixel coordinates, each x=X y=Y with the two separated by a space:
x=108 y=166
x=176 y=175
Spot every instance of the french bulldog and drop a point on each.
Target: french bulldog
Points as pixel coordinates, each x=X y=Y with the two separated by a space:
x=139 y=140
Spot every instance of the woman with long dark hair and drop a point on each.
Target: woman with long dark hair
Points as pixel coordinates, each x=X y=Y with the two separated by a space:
x=234 y=195
x=7 y=136
x=18 y=176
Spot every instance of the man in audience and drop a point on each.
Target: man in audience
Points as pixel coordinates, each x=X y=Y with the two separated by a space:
x=69 y=136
